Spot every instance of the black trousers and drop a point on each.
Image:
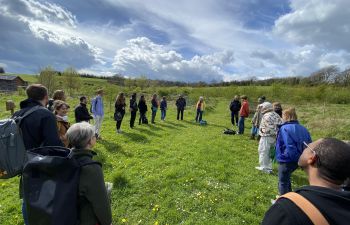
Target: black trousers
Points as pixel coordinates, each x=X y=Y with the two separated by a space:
x=142 y=115
x=180 y=111
x=132 y=118
x=119 y=123
x=234 y=118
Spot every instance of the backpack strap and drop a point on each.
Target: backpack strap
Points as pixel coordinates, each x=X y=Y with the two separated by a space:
x=307 y=207
x=27 y=113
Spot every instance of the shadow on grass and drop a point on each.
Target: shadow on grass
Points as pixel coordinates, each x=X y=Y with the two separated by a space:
x=145 y=131
x=136 y=137
x=178 y=123
x=155 y=126
x=120 y=181
x=114 y=147
x=169 y=126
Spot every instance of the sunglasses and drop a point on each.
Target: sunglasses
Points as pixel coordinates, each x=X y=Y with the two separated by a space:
x=313 y=151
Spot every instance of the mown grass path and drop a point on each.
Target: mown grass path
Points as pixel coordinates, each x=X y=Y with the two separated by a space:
x=176 y=172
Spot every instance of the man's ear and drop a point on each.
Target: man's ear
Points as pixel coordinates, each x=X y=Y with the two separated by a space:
x=312 y=160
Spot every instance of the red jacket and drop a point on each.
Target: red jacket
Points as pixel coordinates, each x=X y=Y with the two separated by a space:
x=244 y=109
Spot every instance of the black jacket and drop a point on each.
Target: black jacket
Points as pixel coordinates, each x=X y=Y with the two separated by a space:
x=133 y=105
x=120 y=107
x=39 y=128
x=235 y=106
x=334 y=206
x=81 y=113
x=181 y=103
x=142 y=106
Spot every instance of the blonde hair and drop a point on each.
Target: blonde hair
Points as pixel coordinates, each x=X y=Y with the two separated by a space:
x=289 y=114
x=58 y=104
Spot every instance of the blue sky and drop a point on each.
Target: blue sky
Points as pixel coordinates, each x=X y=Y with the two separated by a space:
x=186 y=40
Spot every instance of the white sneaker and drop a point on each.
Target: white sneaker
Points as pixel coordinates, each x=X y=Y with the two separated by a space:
x=259 y=168
x=268 y=171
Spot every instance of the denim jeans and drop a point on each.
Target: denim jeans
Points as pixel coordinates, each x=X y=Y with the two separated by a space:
x=24 y=213
x=199 y=115
x=241 y=125
x=162 y=114
x=285 y=171
x=154 y=113
x=254 y=130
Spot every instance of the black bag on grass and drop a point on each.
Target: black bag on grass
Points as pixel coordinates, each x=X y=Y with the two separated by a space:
x=51 y=186
x=229 y=131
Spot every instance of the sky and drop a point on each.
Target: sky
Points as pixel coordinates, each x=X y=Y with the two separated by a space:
x=182 y=40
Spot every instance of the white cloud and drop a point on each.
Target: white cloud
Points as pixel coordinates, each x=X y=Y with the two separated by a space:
x=143 y=57
x=322 y=23
x=45 y=32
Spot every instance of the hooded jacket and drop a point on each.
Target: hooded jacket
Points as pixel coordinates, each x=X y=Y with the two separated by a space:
x=289 y=143
x=333 y=205
x=94 y=205
x=39 y=128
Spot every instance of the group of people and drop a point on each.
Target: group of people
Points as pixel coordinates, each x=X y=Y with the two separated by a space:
x=326 y=161
x=134 y=106
x=41 y=127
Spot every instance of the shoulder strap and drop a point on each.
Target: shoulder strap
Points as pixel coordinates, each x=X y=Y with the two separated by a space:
x=307 y=207
x=27 y=113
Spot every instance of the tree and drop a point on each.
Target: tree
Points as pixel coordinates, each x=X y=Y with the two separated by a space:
x=142 y=82
x=71 y=80
x=47 y=77
x=325 y=75
x=2 y=70
x=343 y=78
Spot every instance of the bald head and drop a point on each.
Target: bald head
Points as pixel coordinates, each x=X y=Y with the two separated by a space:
x=332 y=159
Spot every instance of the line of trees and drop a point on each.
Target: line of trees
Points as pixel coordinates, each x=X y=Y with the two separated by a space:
x=71 y=80
x=327 y=75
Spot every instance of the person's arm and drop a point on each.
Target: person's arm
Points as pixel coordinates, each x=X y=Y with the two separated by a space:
x=94 y=189
x=49 y=131
x=93 y=106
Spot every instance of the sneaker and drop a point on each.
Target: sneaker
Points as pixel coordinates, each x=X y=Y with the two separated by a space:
x=266 y=170
x=259 y=168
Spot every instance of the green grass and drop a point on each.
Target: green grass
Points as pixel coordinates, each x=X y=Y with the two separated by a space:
x=177 y=172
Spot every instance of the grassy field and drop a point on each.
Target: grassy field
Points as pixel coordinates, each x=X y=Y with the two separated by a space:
x=177 y=172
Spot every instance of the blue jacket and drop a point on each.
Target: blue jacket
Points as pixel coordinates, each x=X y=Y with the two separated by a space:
x=289 y=143
x=97 y=106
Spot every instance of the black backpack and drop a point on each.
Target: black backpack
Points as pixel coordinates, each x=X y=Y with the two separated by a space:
x=51 y=185
x=12 y=149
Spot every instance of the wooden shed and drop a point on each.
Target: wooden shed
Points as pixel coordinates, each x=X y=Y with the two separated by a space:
x=11 y=83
